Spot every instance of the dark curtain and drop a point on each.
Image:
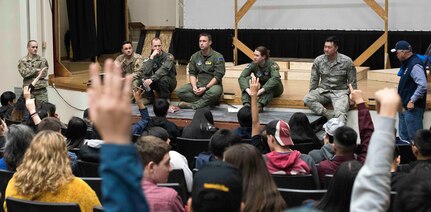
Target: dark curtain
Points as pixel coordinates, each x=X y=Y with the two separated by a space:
x=110 y=26
x=297 y=43
x=82 y=28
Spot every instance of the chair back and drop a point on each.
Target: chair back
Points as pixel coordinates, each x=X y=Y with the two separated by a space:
x=191 y=148
x=304 y=148
x=406 y=153
x=177 y=176
x=10 y=122
x=294 y=181
x=5 y=176
x=88 y=169
x=177 y=188
x=96 y=184
x=326 y=180
x=19 y=205
x=98 y=209
x=296 y=197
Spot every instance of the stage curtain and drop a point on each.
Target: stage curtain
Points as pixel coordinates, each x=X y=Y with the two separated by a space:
x=82 y=29
x=110 y=26
x=297 y=43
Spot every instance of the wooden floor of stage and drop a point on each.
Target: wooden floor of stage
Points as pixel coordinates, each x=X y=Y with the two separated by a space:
x=294 y=90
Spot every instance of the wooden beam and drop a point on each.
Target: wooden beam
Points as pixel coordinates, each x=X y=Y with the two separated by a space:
x=371 y=50
x=242 y=47
x=239 y=14
x=377 y=9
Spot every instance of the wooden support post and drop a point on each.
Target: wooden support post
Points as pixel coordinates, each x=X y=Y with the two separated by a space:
x=238 y=15
x=382 y=40
x=241 y=46
x=371 y=50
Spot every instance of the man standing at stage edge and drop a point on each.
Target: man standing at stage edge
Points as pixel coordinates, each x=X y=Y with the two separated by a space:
x=159 y=72
x=206 y=70
x=30 y=67
x=330 y=75
x=412 y=89
x=130 y=62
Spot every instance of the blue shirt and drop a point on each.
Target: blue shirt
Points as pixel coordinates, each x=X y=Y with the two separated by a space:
x=121 y=171
x=420 y=79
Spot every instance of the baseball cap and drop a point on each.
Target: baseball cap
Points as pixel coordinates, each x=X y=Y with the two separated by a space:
x=217 y=186
x=281 y=131
x=402 y=45
x=332 y=125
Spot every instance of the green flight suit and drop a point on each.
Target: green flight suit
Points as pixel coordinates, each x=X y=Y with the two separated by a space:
x=269 y=79
x=204 y=68
x=161 y=70
x=29 y=69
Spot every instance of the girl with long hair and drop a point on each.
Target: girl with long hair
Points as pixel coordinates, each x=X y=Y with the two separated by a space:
x=45 y=175
x=259 y=189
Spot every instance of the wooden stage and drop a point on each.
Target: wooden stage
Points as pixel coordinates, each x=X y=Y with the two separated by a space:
x=294 y=90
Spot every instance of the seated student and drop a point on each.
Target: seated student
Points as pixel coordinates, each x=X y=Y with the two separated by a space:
x=326 y=152
x=217 y=187
x=75 y=133
x=371 y=190
x=160 y=108
x=54 y=124
x=414 y=190
x=345 y=139
x=338 y=196
x=244 y=120
x=19 y=112
x=8 y=99
x=421 y=149
x=19 y=137
x=155 y=158
x=202 y=125
x=267 y=72
x=91 y=130
x=51 y=110
x=178 y=161
x=47 y=162
x=259 y=189
x=221 y=140
x=301 y=130
x=281 y=159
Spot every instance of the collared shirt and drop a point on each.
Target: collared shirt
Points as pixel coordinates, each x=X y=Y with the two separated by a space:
x=161 y=65
x=334 y=75
x=205 y=68
x=420 y=79
x=161 y=198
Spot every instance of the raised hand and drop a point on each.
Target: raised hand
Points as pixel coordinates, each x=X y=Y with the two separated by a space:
x=109 y=103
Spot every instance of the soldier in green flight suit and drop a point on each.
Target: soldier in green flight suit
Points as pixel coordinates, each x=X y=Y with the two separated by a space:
x=206 y=70
x=269 y=77
x=159 y=73
x=30 y=67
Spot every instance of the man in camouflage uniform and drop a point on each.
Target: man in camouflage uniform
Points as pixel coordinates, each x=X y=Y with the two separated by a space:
x=159 y=72
x=130 y=62
x=334 y=71
x=206 y=70
x=268 y=73
x=30 y=67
